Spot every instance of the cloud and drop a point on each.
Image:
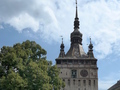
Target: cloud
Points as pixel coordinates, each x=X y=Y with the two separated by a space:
x=11 y=8
x=24 y=21
x=98 y=18
x=35 y=15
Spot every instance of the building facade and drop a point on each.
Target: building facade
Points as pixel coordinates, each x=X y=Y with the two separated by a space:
x=78 y=69
x=116 y=86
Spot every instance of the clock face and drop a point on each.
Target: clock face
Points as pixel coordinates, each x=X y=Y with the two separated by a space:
x=84 y=73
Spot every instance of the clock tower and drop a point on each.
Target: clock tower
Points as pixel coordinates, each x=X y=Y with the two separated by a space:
x=78 y=69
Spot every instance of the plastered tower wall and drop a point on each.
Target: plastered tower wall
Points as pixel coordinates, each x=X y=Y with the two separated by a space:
x=81 y=81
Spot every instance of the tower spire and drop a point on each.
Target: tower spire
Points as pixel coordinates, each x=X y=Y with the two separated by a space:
x=76 y=22
x=76 y=36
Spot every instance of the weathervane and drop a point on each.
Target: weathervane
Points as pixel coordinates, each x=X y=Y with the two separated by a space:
x=76 y=3
x=76 y=10
x=90 y=39
x=62 y=38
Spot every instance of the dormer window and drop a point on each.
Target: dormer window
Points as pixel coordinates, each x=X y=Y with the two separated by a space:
x=58 y=62
x=70 y=61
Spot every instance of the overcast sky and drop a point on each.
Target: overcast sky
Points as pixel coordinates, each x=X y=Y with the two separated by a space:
x=44 y=21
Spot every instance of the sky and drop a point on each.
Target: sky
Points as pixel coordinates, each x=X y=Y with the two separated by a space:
x=44 y=21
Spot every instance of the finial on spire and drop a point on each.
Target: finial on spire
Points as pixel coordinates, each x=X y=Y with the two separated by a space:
x=76 y=22
x=76 y=10
x=90 y=40
x=62 y=39
x=76 y=3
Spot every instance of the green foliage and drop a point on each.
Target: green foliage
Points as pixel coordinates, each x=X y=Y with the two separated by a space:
x=24 y=67
x=12 y=81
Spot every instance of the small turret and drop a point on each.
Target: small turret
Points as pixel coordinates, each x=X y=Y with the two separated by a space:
x=90 y=51
x=62 y=53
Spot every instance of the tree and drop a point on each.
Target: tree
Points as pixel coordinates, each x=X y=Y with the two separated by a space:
x=24 y=67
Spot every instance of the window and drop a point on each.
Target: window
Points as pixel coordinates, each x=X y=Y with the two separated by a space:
x=70 y=61
x=68 y=82
x=58 y=62
x=93 y=62
x=74 y=73
x=64 y=62
x=87 y=62
x=94 y=82
x=84 y=82
x=78 y=82
x=73 y=82
x=81 y=62
x=76 y=62
x=89 y=82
